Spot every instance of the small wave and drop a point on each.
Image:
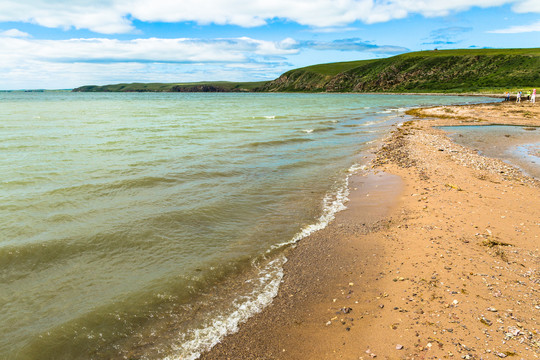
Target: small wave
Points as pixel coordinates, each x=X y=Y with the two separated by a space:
x=328 y=128
x=277 y=142
x=197 y=341
x=267 y=117
x=332 y=204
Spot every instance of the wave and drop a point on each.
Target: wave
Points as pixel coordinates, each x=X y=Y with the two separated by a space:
x=267 y=117
x=317 y=130
x=332 y=204
x=276 y=142
x=199 y=340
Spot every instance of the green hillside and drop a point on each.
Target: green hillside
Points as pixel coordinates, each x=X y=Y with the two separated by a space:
x=206 y=86
x=451 y=71
x=425 y=71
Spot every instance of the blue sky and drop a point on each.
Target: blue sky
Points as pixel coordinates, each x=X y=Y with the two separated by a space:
x=61 y=44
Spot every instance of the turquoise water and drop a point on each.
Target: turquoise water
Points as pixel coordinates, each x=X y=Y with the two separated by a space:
x=150 y=225
x=517 y=145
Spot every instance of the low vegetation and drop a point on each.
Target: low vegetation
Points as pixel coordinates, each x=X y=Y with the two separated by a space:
x=455 y=71
x=444 y=71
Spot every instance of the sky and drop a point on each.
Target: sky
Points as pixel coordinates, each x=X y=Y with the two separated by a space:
x=62 y=44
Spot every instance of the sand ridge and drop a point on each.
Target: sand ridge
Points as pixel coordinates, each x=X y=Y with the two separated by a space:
x=450 y=271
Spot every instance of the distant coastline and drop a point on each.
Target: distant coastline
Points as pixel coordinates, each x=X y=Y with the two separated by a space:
x=470 y=71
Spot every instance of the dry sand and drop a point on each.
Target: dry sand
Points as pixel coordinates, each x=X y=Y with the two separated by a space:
x=449 y=270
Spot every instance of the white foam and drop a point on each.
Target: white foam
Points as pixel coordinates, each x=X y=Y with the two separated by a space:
x=356 y=167
x=308 y=131
x=332 y=204
x=270 y=117
x=203 y=339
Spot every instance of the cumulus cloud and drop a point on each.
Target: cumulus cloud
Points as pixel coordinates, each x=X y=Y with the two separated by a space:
x=527 y=6
x=142 y=50
x=518 y=29
x=116 y=16
x=37 y=63
x=14 y=33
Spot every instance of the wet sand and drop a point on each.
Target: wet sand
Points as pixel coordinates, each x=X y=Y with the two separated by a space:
x=436 y=257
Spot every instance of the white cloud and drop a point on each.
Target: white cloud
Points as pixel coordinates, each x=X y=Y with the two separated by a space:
x=114 y=16
x=14 y=33
x=527 y=6
x=141 y=50
x=34 y=63
x=518 y=29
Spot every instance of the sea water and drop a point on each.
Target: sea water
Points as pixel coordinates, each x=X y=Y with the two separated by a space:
x=151 y=225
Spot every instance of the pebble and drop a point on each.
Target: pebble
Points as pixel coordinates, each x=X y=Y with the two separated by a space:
x=399 y=347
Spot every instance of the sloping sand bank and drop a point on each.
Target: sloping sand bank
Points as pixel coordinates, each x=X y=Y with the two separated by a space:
x=449 y=270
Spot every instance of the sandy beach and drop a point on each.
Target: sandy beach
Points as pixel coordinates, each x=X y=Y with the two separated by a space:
x=436 y=257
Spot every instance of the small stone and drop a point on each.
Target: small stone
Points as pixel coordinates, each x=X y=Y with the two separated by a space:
x=485 y=321
x=381 y=306
x=492 y=309
x=399 y=347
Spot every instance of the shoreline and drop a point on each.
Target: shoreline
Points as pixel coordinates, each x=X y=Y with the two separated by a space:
x=446 y=267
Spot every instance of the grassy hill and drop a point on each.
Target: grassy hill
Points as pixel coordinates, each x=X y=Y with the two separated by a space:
x=205 y=86
x=425 y=71
x=452 y=71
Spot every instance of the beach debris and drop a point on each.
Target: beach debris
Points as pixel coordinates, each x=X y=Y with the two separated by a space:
x=485 y=321
x=399 y=347
x=368 y=351
x=513 y=331
x=452 y=186
x=346 y=310
x=492 y=309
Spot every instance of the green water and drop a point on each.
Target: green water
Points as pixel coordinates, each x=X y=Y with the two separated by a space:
x=150 y=225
